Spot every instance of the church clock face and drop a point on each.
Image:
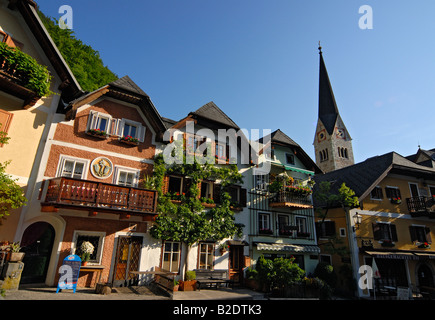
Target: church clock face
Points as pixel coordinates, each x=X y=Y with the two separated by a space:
x=341 y=133
x=321 y=135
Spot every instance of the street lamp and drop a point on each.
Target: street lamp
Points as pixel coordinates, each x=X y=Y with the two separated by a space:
x=357 y=219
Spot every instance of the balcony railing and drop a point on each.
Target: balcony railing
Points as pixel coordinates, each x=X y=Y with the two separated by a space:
x=420 y=206
x=101 y=197
x=290 y=199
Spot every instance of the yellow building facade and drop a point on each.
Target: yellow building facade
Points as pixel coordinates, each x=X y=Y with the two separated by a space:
x=393 y=226
x=24 y=115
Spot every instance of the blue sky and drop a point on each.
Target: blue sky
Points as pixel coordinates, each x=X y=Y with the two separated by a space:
x=258 y=61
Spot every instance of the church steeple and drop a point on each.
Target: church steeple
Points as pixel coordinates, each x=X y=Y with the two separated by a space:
x=328 y=110
x=332 y=144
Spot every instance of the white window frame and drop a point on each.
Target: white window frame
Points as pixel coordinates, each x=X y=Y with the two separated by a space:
x=207 y=254
x=305 y=224
x=100 y=249
x=377 y=199
x=63 y=159
x=140 y=129
x=95 y=118
x=171 y=254
x=119 y=169
x=261 y=181
x=291 y=155
x=266 y=220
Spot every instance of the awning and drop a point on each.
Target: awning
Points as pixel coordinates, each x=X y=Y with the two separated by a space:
x=399 y=255
x=425 y=255
x=310 y=173
x=287 y=247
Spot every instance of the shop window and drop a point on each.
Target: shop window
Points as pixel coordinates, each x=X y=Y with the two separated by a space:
x=95 y=238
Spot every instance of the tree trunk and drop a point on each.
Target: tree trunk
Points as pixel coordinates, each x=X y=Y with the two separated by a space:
x=186 y=264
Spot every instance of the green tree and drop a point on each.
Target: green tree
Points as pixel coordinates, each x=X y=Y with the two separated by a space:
x=11 y=194
x=84 y=62
x=188 y=222
x=345 y=198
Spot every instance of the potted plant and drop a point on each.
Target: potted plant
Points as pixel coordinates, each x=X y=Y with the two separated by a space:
x=190 y=283
x=224 y=247
x=176 y=285
x=86 y=249
x=16 y=255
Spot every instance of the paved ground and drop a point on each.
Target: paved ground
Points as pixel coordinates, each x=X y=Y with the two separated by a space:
x=131 y=293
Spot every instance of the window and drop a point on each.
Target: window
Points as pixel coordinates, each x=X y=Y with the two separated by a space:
x=126 y=177
x=10 y=41
x=284 y=225
x=5 y=121
x=117 y=127
x=325 y=228
x=301 y=223
x=261 y=181
x=289 y=158
x=175 y=184
x=72 y=168
x=376 y=193
x=323 y=154
x=420 y=234
x=264 y=223
x=384 y=231
x=206 y=189
x=171 y=256
x=95 y=238
x=326 y=258
x=206 y=256
x=392 y=192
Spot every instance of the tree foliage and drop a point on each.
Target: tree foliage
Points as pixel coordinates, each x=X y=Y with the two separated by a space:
x=189 y=222
x=11 y=194
x=84 y=62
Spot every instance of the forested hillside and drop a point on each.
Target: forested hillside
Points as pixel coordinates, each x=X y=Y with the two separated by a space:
x=85 y=62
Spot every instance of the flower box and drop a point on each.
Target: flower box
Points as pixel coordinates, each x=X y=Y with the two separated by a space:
x=396 y=200
x=97 y=133
x=189 y=285
x=423 y=245
x=129 y=140
x=265 y=231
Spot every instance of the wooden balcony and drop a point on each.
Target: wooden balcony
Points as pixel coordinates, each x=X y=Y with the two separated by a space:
x=421 y=207
x=288 y=199
x=98 y=197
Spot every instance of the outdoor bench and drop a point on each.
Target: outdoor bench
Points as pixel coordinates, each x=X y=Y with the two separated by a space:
x=212 y=278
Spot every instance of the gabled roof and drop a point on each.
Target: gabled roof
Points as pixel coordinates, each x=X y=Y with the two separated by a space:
x=280 y=138
x=127 y=84
x=364 y=176
x=328 y=110
x=123 y=89
x=211 y=111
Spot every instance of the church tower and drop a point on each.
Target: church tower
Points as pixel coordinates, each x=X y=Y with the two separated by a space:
x=332 y=143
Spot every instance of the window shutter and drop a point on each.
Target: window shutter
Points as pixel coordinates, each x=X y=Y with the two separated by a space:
x=5 y=120
x=413 y=233
x=92 y=121
x=376 y=231
x=393 y=232
x=141 y=134
x=243 y=197
x=330 y=228
x=217 y=193
x=428 y=237
x=165 y=186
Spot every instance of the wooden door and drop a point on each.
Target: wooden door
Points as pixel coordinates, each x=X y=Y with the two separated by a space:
x=127 y=259
x=236 y=263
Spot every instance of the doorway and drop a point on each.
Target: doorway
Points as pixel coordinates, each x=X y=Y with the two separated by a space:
x=425 y=276
x=127 y=260
x=37 y=243
x=236 y=263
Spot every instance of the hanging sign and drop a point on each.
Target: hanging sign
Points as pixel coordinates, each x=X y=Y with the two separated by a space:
x=69 y=273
